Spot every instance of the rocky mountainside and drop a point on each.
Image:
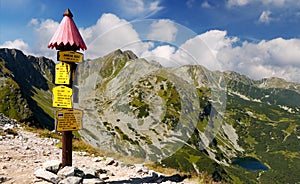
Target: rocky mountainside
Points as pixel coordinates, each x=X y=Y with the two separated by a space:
x=237 y=129
x=27 y=158
x=25 y=83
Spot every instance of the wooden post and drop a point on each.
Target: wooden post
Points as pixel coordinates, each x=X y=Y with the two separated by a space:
x=67 y=136
x=67 y=148
x=68 y=43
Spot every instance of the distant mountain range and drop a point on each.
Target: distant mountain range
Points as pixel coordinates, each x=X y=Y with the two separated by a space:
x=26 y=83
x=237 y=129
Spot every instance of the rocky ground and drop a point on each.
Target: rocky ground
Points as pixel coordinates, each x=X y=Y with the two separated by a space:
x=24 y=158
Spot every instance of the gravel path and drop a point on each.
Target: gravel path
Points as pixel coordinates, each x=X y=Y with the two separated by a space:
x=22 y=155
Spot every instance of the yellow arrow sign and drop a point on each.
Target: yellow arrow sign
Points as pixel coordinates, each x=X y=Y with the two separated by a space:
x=62 y=97
x=69 y=119
x=62 y=73
x=69 y=56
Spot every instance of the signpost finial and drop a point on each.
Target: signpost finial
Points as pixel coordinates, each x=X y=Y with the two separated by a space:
x=68 y=13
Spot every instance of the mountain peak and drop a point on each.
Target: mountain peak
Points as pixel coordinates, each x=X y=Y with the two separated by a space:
x=128 y=54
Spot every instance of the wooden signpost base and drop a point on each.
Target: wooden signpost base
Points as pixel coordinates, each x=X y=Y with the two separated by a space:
x=67 y=148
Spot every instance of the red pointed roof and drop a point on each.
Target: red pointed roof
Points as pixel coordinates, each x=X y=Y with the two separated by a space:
x=67 y=36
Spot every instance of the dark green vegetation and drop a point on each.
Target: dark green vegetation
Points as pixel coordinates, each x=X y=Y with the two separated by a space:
x=261 y=120
x=26 y=84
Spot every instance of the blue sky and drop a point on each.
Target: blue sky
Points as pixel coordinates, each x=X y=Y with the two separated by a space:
x=258 y=38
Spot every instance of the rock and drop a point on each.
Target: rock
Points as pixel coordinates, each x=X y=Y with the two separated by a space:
x=89 y=172
x=66 y=172
x=140 y=168
x=71 y=180
x=8 y=126
x=154 y=174
x=79 y=173
x=52 y=166
x=103 y=176
x=97 y=159
x=92 y=181
x=46 y=175
x=3 y=179
x=9 y=136
x=109 y=161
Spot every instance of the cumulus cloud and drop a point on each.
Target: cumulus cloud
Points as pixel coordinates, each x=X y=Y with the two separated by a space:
x=44 y=31
x=163 y=30
x=108 y=34
x=17 y=44
x=217 y=51
x=203 y=50
x=265 y=17
x=111 y=33
x=273 y=58
x=162 y=54
x=213 y=49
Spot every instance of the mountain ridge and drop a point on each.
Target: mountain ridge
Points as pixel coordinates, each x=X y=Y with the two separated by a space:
x=186 y=117
x=141 y=109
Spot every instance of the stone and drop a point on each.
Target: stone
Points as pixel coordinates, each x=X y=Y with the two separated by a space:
x=66 y=172
x=109 y=161
x=71 y=180
x=46 y=175
x=103 y=176
x=52 y=166
x=9 y=136
x=8 y=127
x=97 y=159
x=92 y=181
x=79 y=173
x=89 y=172
x=140 y=168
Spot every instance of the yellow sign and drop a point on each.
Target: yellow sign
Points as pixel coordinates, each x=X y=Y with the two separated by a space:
x=69 y=119
x=62 y=97
x=69 y=56
x=62 y=73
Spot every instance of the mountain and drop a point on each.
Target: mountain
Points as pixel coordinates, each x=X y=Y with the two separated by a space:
x=237 y=129
x=25 y=87
x=192 y=119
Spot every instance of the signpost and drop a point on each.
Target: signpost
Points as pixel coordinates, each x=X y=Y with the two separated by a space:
x=62 y=73
x=69 y=119
x=67 y=40
x=69 y=56
x=62 y=97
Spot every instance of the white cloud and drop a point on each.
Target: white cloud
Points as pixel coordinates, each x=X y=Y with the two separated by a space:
x=33 y=22
x=265 y=17
x=213 y=49
x=111 y=33
x=205 y=4
x=274 y=58
x=196 y=52
x=43 y=32
x=140 y=8
x=162 y=54
x=217 y=51
x=277 y=3
x=17 y=44
x=237 y=2
x=163 y=30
